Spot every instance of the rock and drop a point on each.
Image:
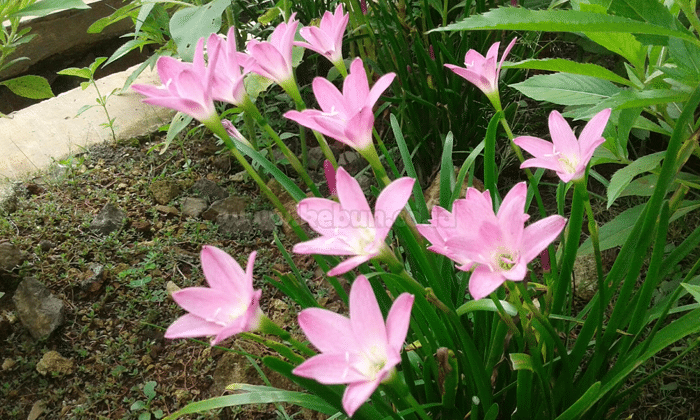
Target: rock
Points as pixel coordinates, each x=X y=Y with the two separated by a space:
x=193 y=206
x=108 y=220
x=171 y=287
x=164 y=190
x=290 y=205
x=169 y=210
x=208 y=190
x=53 y=363
x=315 y=158
x=92 y=282
x=143 y=227
x=241 y=176
x=264 y=221
x=10 y=256
x=38 y=310
x=46 y=245
x=351 y=161
x=234 y=225
x=234 y=206
x=8 y=364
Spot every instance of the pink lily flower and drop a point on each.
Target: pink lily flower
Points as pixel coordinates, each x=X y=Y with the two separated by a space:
x=327 y=39
x=565 y=155
x=234 y=133
x=482 y=71
x=227 y=307
x=348 y=227
x=360 y=351
x=346 y=117
x=273 y=59
x=186 y=87
x=499 y=245
x=225 y=69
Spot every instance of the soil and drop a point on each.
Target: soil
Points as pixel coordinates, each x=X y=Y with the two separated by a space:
x=114 y=324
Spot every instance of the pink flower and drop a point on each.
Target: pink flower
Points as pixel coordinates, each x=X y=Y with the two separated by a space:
x=483 y=71
x=360 y=351
x=273 y=59
x=225 y=69
x=499 y=245
x=348 y=227
x=227 y=307
x=565 y=155
x=234 y=133
x=329 y=172
x=327 y=39
x=186 y=88
x=346 y=117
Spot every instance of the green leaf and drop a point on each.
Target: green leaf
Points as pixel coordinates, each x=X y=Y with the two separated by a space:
x=485 y=305
x=624 y=176
x=74 y=71
x=625 y=45
x=615 y=232
x=519 y=18
x=568 y=66
x=643 y=187
x=138 y=405
x=255 y=84
x=258 y=395
x=521 y=361
x=45 y=7
x=635 y=99
x=119 y=14
x=145 y=416
x=446 y=172
x=652 y=11
x=32 y=87
x=149 y=390
x=128 y=46
x=583 y=404
x=567 y=89
x=693 y=290
x=188 y=25
x=179 y=122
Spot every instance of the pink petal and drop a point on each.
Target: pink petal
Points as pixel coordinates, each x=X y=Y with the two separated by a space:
x=537 y=147
x=322 y=215
x=329 y=97
x=235 y=327
x=330 y=369
x=356 y=86
x=397 y=321
x=562 y=136
x=210 y=304
x=350 y=193
x=390 y=203
x=358 y=129
x=539 y=235
x=223 y=272
x=483 y=282
x=591 y=136
x=349 y=264
x=477 y=79
x=329 y=172
x=552 y=164
x=327 y=331
x=326 y=245
x=356 y=394
x=190 y=325
x=366 y=317
x=379 y=87
x=511 y=214
x=503 y=57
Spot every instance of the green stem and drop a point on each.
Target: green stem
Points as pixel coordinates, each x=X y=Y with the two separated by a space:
x=269 y=327
x=250 y=109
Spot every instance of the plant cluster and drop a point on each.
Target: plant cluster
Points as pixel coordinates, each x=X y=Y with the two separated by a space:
x=515 y=345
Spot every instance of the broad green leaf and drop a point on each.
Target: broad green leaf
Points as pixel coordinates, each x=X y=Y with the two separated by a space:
x=188 y=25
x=567 y=89
x=625 y=45
x=693 y=290
x=128 y=46
x=568 y=66
x=485 y=305
x=74 y=71
x=652 y=11
x=615 y=232
x=635 y=99
x=521 y=361
x=32 y=87
x=643 y=187
x=255 y=84
x=179 y=122
x=45 y=7
x=624 y=176
x=519 y=18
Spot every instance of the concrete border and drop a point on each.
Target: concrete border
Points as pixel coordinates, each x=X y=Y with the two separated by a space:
x=31 y=139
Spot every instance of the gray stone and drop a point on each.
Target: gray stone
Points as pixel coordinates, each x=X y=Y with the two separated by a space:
x=53 y=363
x=351 y=161
x=315 y=158
x=208 y=190
x=38 y=310
x=108 y=220
x=228 y=206
x=10 y=256
x=585 y=277
x=193 y=206
x=235 y=225
x=264 y=221
x=164 y=190
x=46 y=245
